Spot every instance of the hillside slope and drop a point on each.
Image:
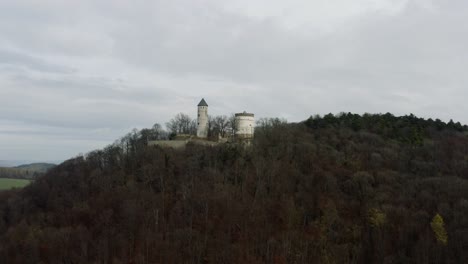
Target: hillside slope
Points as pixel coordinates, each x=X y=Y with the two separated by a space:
x=337 y=189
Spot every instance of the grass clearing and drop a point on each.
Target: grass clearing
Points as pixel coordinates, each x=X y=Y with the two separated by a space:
x=6 y=184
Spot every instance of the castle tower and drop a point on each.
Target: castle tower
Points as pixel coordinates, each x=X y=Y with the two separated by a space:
x=202 y=128
x=245 y=125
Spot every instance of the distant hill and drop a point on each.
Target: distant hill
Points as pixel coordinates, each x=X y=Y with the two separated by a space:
x=39 y=167
x=16 y=163
x=334 y=189
x=13 y=163
x=25 y=171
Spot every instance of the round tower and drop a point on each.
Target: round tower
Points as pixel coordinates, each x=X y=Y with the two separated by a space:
x=245 y=125
x=202 y=119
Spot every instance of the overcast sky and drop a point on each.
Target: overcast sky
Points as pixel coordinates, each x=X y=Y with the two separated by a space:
x=76 y=75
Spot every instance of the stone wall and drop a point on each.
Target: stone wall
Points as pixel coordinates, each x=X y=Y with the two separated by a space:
x=176 y=144
x=181 y=144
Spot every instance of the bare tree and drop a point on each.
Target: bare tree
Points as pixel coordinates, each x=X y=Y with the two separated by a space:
x=181 y=124
x=231 y=126
x=193 y=127
x=219 y=125
x=157 y=132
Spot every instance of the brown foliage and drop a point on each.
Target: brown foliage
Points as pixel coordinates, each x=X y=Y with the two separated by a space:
x=319 y=192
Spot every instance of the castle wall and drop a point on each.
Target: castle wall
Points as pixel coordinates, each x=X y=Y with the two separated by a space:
x=176 y=144
x=181 y=144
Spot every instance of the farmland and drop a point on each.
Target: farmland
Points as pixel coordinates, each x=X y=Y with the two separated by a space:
x=6 y=184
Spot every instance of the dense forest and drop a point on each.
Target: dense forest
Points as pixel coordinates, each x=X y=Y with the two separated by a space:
x=334 y=189
x=26 y=171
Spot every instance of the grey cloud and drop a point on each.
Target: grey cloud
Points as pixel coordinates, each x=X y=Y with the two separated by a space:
x=262 y=50
x=18 y=59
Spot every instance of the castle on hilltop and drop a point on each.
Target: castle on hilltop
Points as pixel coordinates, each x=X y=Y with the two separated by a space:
x=244 y=123
x=243 y=130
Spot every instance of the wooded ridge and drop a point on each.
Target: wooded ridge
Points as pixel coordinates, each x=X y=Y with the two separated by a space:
x=334 y=189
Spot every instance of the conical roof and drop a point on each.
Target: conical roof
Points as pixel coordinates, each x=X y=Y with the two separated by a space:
x=203 y=102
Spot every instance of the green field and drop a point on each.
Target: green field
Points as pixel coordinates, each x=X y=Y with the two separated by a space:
x=6 y=184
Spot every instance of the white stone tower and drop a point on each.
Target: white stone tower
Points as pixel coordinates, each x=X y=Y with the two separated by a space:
x=202 y=128
x=245 y=125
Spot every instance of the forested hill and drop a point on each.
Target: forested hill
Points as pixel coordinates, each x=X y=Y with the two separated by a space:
x=332 y=189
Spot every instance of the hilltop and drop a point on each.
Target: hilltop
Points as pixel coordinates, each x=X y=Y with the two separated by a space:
x=335 y=189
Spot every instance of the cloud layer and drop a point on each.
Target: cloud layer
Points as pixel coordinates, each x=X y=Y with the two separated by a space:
x=76 y=75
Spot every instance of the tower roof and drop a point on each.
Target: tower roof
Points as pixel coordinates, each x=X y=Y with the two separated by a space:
x=245 y=114
x=202 y=102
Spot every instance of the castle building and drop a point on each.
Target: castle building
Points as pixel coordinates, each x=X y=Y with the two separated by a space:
x=245 y=125
x=202 y=119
